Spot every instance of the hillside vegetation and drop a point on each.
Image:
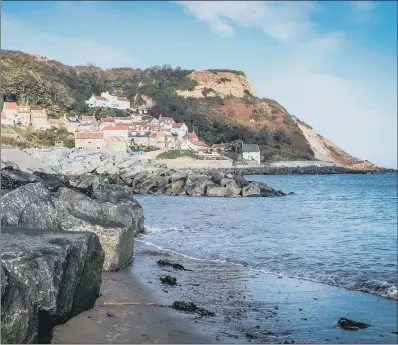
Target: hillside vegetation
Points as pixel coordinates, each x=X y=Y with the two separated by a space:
x=216 y=114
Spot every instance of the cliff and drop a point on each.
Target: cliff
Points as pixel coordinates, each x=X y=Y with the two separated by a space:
x=220 y=105
x=223 y=84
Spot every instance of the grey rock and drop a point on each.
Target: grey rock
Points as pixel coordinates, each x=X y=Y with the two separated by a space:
x=116 y=223
x=232 y=190
x=216 y=176
x=48 y=277
x=241 y=181
x=11 y=179
x=251 y=190
x=179 y=175
x=216 y=191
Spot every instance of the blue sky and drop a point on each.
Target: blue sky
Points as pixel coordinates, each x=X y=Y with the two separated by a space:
x=332 y=64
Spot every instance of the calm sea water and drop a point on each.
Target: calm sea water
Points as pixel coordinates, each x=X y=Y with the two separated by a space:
x=339 y=230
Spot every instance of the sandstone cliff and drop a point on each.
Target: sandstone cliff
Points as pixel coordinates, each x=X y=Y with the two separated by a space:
x=219 y=83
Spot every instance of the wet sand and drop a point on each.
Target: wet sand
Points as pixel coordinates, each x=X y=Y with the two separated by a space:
x=249 y=306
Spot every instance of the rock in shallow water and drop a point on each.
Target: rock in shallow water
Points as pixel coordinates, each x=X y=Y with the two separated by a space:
x=47 y=277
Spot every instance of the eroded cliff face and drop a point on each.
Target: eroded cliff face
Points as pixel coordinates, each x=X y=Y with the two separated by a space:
x=342 y=158
x=222 y=84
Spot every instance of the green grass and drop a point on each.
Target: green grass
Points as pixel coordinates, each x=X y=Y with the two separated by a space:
x=178 y=154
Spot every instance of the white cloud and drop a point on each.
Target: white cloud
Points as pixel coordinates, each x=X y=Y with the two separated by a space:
x=16 y=35
x=280 y=20
x=363 y=10
x=348 y=94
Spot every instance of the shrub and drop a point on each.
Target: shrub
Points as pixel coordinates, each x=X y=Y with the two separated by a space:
x=178 y=154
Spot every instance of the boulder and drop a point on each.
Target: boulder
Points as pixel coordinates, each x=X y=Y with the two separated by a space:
x=216 y=176
x=9 y=165
x=226 y=181
x=53 y=181
x=177 y=187
x=241 y=181
x=197 y=191
x=11 y=178
x=232 y=190
x=179 y=175
x=251 y=190
x=47 y=277
x=216 y=191
x=115 y=223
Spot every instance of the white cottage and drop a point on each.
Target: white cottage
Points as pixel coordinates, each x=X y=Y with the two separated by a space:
x=251 y=152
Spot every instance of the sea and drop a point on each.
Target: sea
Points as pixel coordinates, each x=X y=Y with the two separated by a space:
x=339 y=230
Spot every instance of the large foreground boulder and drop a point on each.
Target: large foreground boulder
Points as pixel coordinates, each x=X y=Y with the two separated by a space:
x=115 y=223
x=47 y=277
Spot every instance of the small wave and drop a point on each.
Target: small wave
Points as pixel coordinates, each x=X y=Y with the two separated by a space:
x=382 y=289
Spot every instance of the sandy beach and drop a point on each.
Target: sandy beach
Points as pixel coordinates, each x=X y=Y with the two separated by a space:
x=285 y=310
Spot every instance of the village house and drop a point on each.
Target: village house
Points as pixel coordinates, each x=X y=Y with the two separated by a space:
x=137 y=117
x=155 y=125
x=9 y=113
x=126 y=121
x=140 y=127
x=180 y=129
x=106 y=100
x=24 y=115
x=88 y=127
x=55 y=123
x=116 y=131
x=139 y=138
x=251 y=152
x=89 y=140
x=84 y=119
x=172 y=142
x=116 y=143
x=166 y=123
x=38 y=118
x=219 y=148
x=193 y=143
x=71 y=123
x=158 y=140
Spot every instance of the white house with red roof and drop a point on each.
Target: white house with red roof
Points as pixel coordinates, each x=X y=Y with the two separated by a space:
x=106 y=100
x=180 y=129
x=166 y=123
x=116 y=131
x=192 y=142
x=116 y=143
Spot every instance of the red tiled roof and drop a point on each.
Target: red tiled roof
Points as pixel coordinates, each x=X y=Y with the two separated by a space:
x=116 y=139
x=200 y=143
x=192 y=135
x=122 y=98
x=101 y=98
x=115 y=128
x=10 y=105
x=123 y=118
x=89 y=135
x=178 y=125
x=108 y=119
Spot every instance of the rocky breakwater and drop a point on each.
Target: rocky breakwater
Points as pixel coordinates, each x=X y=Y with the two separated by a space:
x=93 y=171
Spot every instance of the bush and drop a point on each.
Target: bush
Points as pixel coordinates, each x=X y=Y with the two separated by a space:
x=178 y=154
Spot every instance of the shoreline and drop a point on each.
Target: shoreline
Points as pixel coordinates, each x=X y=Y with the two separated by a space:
x=249 y=306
